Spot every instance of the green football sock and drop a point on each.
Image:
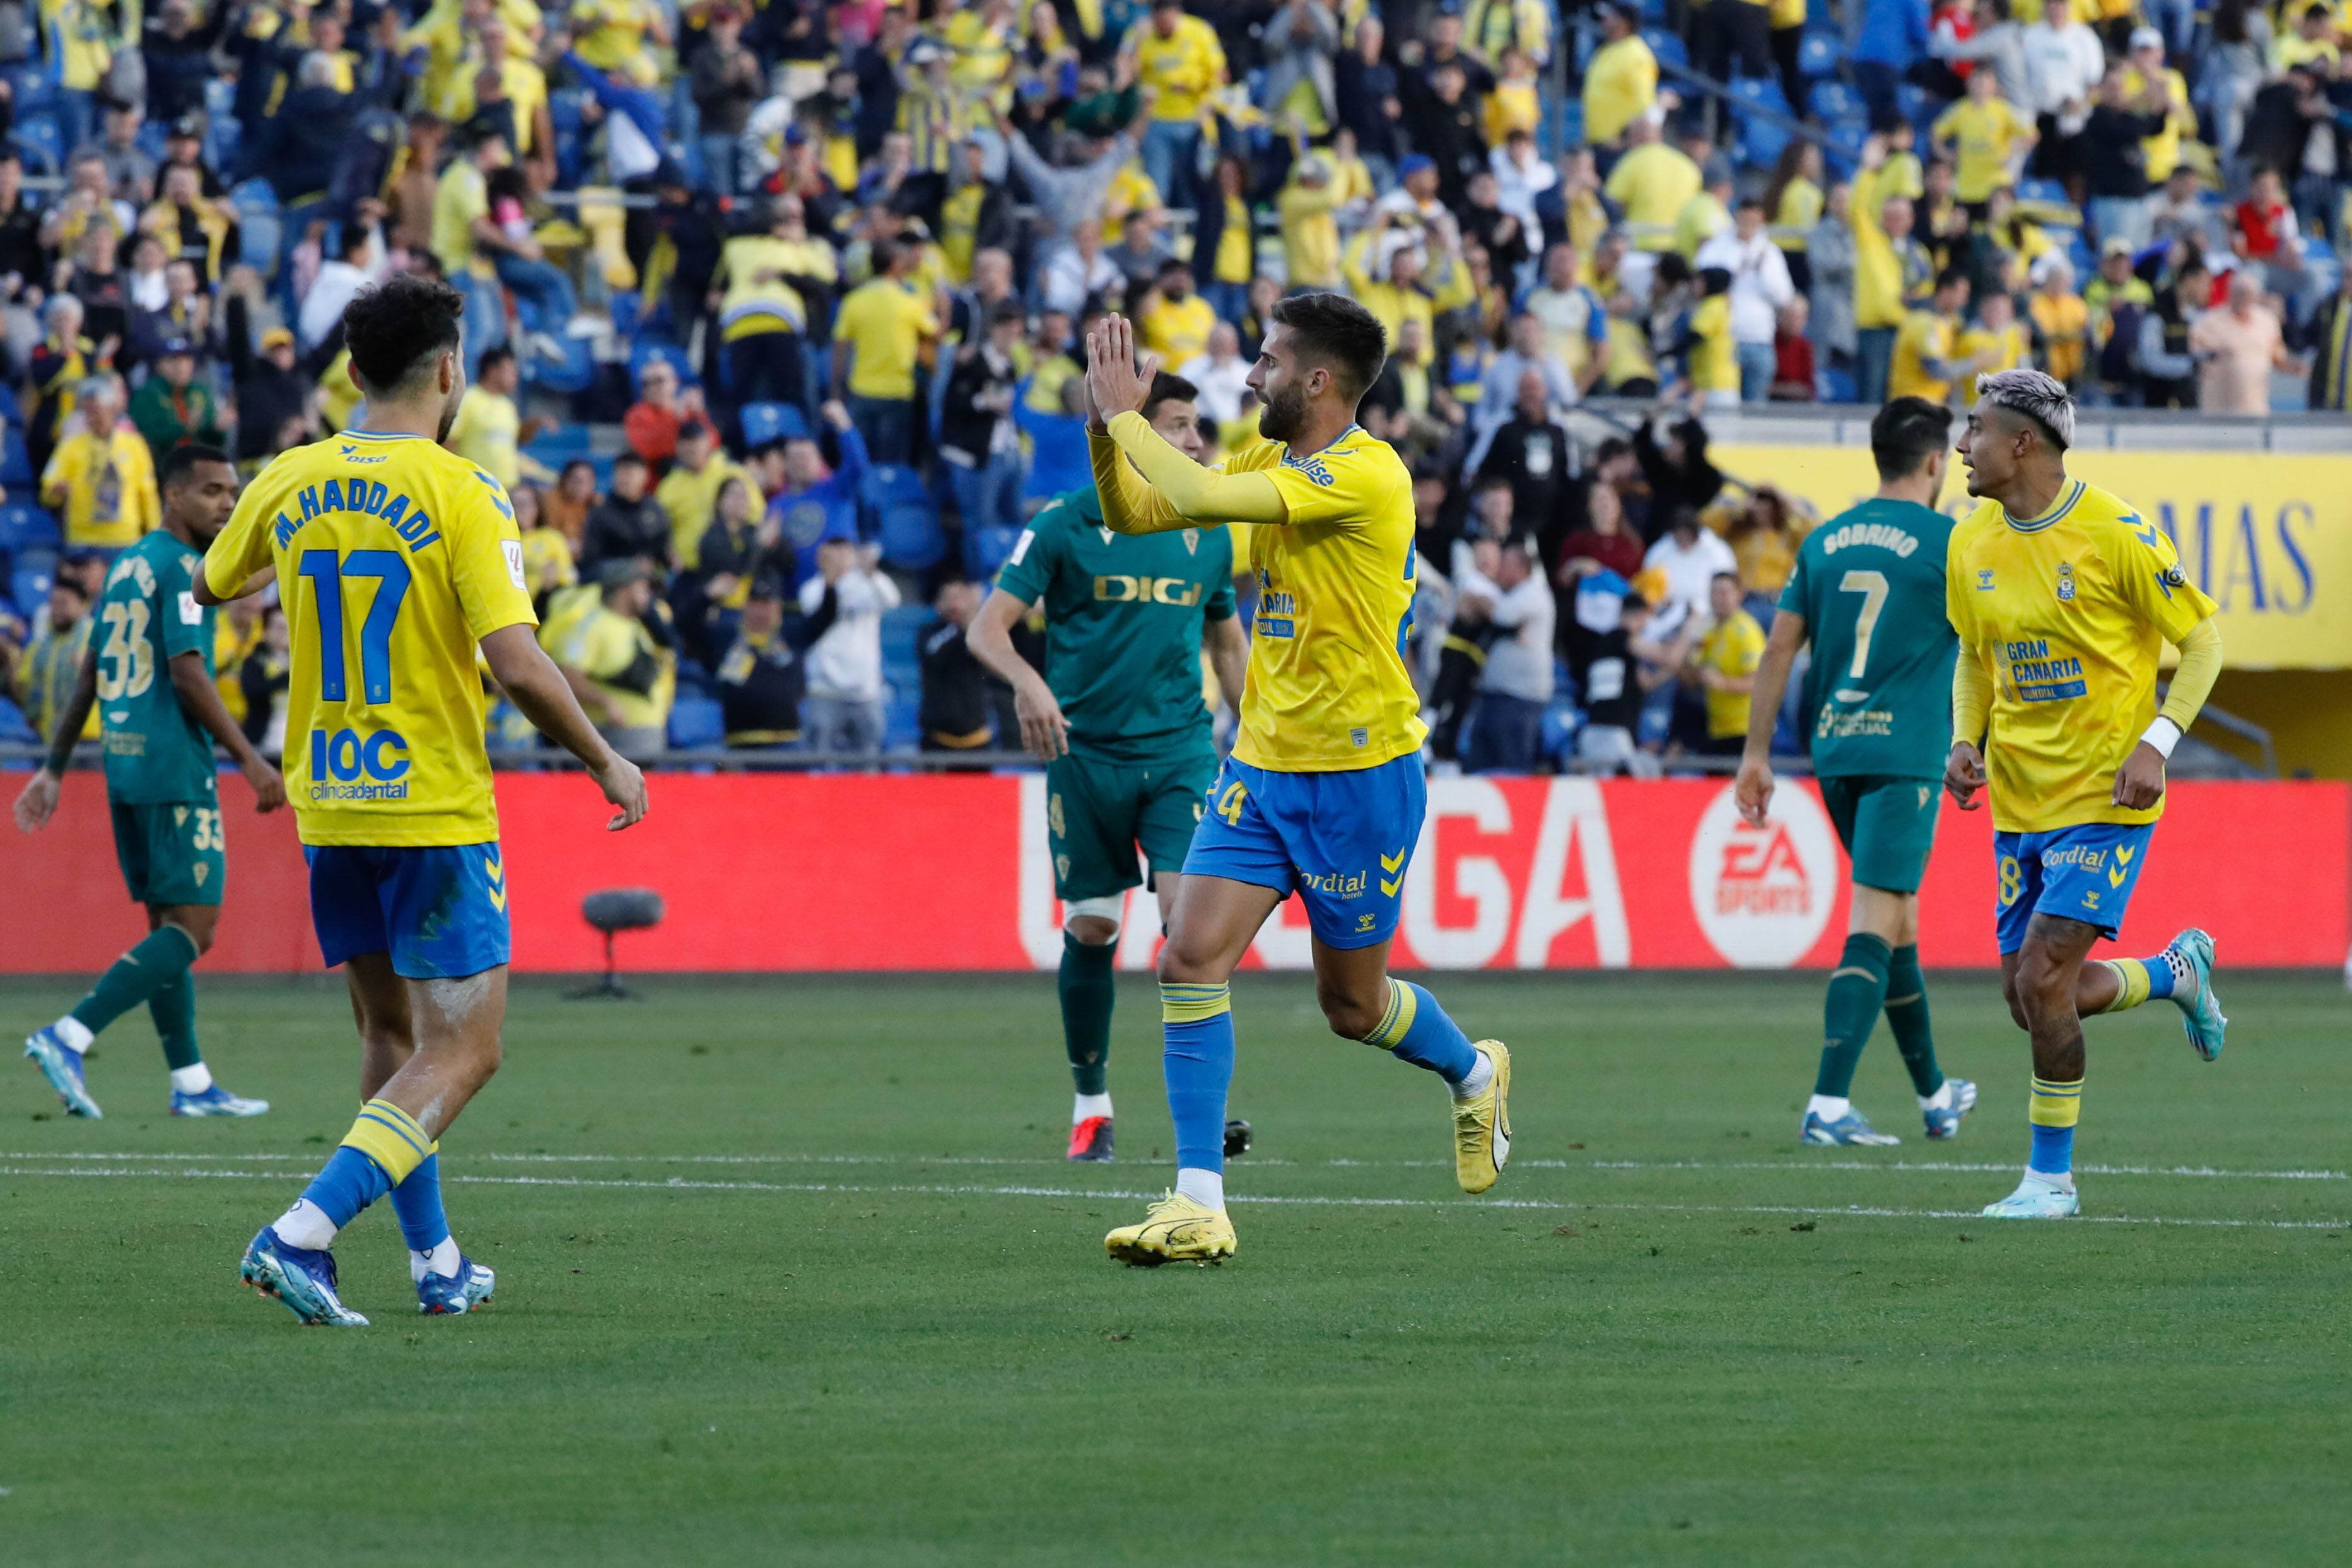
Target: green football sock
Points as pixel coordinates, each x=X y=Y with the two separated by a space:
x=1907 y=1014
x=1857 y=991
x=1089 y=990
x=174 y=1008
x=154 y=963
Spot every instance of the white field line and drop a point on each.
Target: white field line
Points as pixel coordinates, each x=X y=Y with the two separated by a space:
x=2198 y=1173
x=679 y=1184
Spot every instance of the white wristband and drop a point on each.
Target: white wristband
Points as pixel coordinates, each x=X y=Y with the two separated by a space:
x=2163 y=734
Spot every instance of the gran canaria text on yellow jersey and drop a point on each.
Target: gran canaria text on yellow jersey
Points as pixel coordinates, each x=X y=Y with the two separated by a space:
x=395 y=559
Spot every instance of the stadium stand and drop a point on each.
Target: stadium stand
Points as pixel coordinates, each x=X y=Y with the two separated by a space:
x=805 y=203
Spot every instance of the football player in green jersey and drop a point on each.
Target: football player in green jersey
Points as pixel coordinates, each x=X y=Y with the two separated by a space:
x=150 y=670
x=1868 y=594
x=1119 y=721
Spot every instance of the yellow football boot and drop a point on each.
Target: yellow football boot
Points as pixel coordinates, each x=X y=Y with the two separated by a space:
x=1174 y=1230
x=1482 y=1125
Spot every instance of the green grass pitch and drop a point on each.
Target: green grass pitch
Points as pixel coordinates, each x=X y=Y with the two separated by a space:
x=792 y=1272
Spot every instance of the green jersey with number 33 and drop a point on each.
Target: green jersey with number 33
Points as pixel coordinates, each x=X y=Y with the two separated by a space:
x=1878 y=697
x=155 y=751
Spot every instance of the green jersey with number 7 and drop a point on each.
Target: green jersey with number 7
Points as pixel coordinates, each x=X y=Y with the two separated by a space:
x=1878 y=696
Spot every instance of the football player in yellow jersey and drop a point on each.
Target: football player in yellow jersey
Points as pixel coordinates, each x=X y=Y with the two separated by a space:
x=2062 y=596
x=1323 y=794
x=394 y=558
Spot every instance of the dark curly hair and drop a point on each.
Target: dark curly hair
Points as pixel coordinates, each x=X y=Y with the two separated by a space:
x=1335 y=331
x=400 y=327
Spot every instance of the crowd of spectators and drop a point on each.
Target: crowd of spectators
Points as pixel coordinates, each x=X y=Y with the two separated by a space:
x=774 y=312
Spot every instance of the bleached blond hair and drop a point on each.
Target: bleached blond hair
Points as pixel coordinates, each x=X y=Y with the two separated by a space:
x=2042 y=399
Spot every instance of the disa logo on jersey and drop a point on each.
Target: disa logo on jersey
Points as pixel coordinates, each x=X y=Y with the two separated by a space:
x=1763 y=895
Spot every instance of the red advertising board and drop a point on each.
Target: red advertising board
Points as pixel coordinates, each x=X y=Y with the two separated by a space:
x=783 y=872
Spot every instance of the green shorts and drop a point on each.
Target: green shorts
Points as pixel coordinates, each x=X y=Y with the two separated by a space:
x=1099 y=812
x=172 y=854
x=1887 y=826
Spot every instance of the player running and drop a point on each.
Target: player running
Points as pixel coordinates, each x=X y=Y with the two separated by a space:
x=394 y=559
x=150 y=670
x=1323 y=794
x=1117 y=721
x=2062 y=596
x=1868 y=593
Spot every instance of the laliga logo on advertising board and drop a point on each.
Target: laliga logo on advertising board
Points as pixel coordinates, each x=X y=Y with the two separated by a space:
x=1762 y=895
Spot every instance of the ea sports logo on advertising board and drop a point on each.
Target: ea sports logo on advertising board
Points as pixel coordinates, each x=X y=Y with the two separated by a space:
x=1763 y=894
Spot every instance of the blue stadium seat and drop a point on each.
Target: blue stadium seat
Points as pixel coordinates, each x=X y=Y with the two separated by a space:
x=1667 y=47
x=1760 y=140
x=42 y=142
x=15 y=463
x=1057 y=453
x=14 y=730
x=767 y=422
x=645 y=351
x=697 y=722
x=1817 y=53
x=28 y=589
x=1844 y=153
x=985 y=548
x=910 y=535
x=1835 y=101
x=10 y=411
x=23 y=527
x=260 y=225
x=2037 y=190
x=1916 y=104
x=1836 y=386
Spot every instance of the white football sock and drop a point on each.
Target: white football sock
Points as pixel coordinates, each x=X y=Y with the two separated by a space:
x=192 y=1080
x=305 y=1224
x=442 y=1260
x=1939 y=1100
x=74 y=1032
x=1475 y=1084
x=1828 y=1107
x=1087 y=1105
x=1206 y=1188
x=2061 y=1179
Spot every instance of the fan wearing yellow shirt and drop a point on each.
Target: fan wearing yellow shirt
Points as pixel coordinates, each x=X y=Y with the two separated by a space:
x=489 y=430
x=2062 y=596
x=762 y=309
x=690 y=491
x=1726 y=660
x=101 y=480
x=1651 y=185
x=1928 y=358
x=611 y=36
x=1310 y=234
x=1621 y=82
x=1173 y=321
x=1711 y=363
x=878 y=337
x=1179 y=63
x=1999 y=341
x=395 y=560
x=1323 y=794
x=1985 y=136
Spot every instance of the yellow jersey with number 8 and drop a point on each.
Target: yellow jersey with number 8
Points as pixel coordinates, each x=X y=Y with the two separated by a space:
x=1329 y=689
x=395 y=559
x=2067 y=613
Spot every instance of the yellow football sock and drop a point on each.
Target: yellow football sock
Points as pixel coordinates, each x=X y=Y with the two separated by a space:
x=2131 y=983
x=391 y=1137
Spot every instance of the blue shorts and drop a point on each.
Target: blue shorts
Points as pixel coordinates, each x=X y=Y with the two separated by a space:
x=2085 y=873
x=440 y=913
x=1341 y=841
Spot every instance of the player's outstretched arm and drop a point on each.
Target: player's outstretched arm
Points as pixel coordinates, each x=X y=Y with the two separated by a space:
x=1173 y=492
x=39 y=799
x=193 y=685
x=538 y=689
x=1754 y=786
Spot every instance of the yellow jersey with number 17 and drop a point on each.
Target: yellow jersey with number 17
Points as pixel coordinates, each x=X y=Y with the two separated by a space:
x=1329 y=689
x=395 y=559
x=2065 y=612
